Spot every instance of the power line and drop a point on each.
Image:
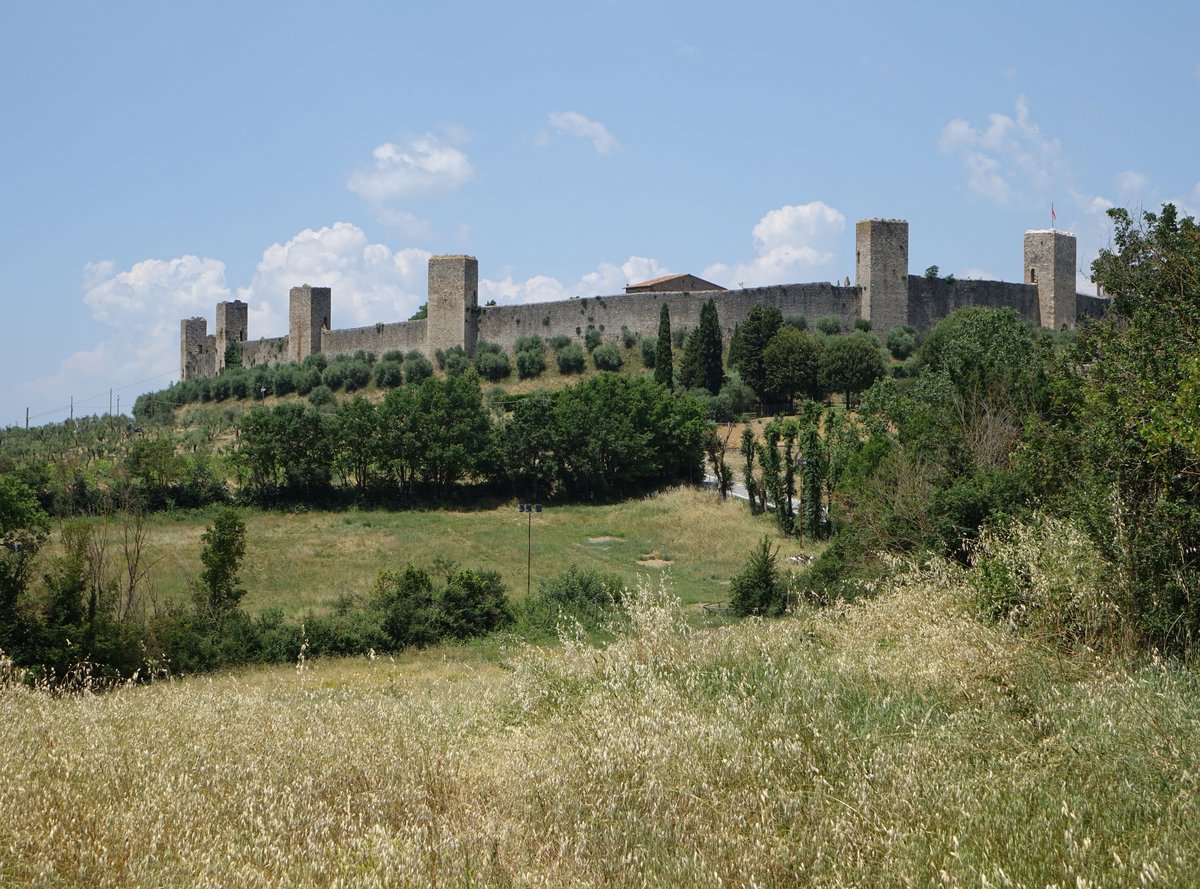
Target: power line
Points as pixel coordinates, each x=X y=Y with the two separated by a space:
x=103 y=394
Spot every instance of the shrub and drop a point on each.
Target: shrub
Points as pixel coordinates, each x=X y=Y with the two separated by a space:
x=388 y=374
x=393 y=355
x=678 y=335
x=863 y=324
x=591 y=339
x=759 y=589
x=570 y=359
x=317 y=360
x=649 y=349
x=455 y=362
x=321 y=396
x=308 y=377
x=629 y=339
x=830 y=325
x=574 y=594
x=406 y=605
x=902 y=341
x=285 y=379
x=335 y=375
x=530 y=363
x=797 y=321
x=607 y=357
x=417 y=368
x=529 y=343
x=559 y=340
x=473 y=604
x=493 y=365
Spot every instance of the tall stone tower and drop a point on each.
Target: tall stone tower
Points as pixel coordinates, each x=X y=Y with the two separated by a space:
x=193 y=336
x=1050 y=264
x=308 y=314
x=881 y=270
x=453 y=303
x=232 y=327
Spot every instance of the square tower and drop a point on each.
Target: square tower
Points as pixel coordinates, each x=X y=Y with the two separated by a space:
x=193 y=335
x=453 y=303
x=881 y=270
x=1050 y=264
x=232 y=327
x=308 y=315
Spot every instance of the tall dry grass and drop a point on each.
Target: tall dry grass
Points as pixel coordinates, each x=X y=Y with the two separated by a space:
x=895 y=743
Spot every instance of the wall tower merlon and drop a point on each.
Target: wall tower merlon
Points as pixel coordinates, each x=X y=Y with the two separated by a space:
x=453 y=306
x=1050 y=257
x=881 y=271
x=232 y=327
x=308 y=314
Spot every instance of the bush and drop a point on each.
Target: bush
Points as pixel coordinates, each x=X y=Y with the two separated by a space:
x=559 y=340
x=649 y=349
x=493 y=365
x=335 y=375
x=393 y=355
x=738 y=397
x=759 y=589
x=455 y=361
x=607 y=357
x=570 y=359
x=317 y=360
x=285 y=378
x=797 y=321
x=629 y=339
x=863 y=324
x=902 y=341
x=591 y=339
x=575 y=594
x=388 y=374
x=830 y=325
x=417 y=368
x=308 y=377
x=406 y=606
x=321 y=396
x=530 y=363
x=678 y=335
x=473 y=604
x=529 y=343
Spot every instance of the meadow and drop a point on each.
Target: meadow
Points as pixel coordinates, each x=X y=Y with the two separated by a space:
x=898 y=742
x=305 y=561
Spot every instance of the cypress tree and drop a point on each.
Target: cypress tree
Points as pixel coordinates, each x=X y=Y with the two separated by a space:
x=664 y=369
x=711 y=373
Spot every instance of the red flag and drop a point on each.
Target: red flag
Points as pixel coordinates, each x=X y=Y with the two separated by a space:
x=1053 y=215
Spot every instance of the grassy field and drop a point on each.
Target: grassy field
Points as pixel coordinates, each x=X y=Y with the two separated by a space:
x=305 y=561
x=895 y=743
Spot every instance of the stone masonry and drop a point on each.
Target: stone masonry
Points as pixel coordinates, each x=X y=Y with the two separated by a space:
x=884 y=293
x=1050 y=264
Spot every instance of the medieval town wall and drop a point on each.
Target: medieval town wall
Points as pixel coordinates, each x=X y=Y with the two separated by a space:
x=375 y=339
x=266 y=352
x=932 y=299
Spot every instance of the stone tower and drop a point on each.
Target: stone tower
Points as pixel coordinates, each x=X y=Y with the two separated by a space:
x=1050 y=264
x=193 y=336
x=232 y=327
x=308 y=314
x=453 y=303
x=881 y=270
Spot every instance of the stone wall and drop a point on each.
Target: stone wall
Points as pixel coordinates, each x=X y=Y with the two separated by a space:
x=639 y=311
x=932 y=299
x=266 y=352
x=375 y=339
x=1088 y=306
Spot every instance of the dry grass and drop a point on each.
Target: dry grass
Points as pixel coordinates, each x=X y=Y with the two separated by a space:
x=897 y=743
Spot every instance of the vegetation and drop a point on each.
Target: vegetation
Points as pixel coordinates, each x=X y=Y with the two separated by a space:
x=701 y=367
x=664 y=368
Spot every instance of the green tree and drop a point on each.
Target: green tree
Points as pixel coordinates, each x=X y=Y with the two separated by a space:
x=24 y=526
x=701 y=366
x=850 y=364
x=473 y=604
x=356 y=440
x=758 y=589
x=224 y=541
x=790 y=363
x=761 y=324
x=664 y=364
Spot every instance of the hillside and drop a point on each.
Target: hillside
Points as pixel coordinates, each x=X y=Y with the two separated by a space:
x=900 y=742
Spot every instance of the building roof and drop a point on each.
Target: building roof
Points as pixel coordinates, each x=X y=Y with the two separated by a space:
x=693 y=283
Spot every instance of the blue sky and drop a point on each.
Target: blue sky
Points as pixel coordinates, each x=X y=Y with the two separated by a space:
x=158 y=158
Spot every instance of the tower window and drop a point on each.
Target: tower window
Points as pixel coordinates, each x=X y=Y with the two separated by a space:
x=1033 y=276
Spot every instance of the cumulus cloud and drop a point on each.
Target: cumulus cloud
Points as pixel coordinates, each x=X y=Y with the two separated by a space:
x=1130 y=183
x=792 y=243
x=606 y=279
x=423 y=167
x=1008 y=160
x=370 y=281
x=576 y=125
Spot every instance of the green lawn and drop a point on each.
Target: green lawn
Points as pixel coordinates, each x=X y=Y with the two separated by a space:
x=307 y=560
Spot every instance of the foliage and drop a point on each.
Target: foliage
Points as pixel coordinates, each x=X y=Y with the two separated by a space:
x=790 y=363
x=701 y=366
x=474 y=604
x=664 y=369
x=220 y=588
x=388 y=374
x=760 y=589
x=754 y=334
x=648 y=349
x=830 y=325
x=417 y=369
x=901 y=341
x=492 y=364
x=529 y=343
x=570 y=359
x=850 y=364
x=575 y=595
x=421 y=313
x=591 y=339
x=607 y=357
x=530 y=363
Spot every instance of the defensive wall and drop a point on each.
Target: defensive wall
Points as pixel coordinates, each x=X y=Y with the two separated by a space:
x=884 y=293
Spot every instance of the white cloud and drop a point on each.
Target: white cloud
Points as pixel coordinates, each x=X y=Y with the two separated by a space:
x=420 y=168
x=606 y=279
x=370 y=282
x=1009 y=160
x=1130 y=183
x=793 y=243
x=572 y=123
x=978 y=274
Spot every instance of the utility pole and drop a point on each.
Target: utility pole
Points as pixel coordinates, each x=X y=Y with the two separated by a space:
x=72 y=407
x=26 y=418
x=110 y=401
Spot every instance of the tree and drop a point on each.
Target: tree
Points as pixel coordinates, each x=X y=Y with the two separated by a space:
x=24 y=526
x=758 y=589
x=850 y=364
x=664 y=369
x=790 y=363
x=761 y=324
x=224 y=547
x=356 y=440
x=474 y=603
x=701 y=367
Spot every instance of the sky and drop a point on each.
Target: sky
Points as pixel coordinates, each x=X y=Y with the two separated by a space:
x=158 y=158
